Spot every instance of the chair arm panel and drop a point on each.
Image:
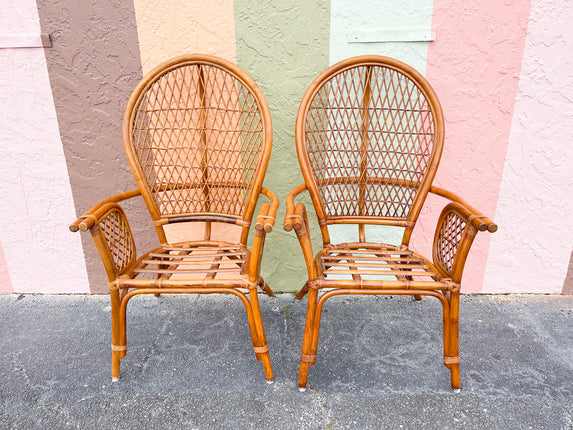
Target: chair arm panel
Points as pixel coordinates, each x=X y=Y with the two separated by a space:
x=112 y=235
x=455 y=232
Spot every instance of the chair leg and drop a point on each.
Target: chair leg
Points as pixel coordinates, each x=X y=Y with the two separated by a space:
x=451 y=340
x=308 y=358
x=118 y=344
x=259 y=338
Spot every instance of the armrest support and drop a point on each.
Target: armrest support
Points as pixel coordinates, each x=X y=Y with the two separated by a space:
x=297 y=218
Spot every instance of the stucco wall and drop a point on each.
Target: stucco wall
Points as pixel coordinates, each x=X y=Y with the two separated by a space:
x=502 y=71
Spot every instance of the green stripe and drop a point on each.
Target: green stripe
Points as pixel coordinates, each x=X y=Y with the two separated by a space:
x=283 y=45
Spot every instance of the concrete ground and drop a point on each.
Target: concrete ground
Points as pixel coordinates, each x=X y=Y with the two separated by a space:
x=190 y=364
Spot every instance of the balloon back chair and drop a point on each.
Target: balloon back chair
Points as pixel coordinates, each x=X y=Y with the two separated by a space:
x=197 y=134
x=369 y=137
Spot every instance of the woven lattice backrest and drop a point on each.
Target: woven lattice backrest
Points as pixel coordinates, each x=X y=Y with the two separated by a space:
x=197 y=132
x=369 y=131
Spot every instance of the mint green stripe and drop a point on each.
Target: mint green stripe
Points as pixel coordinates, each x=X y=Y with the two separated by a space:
x=380 y=14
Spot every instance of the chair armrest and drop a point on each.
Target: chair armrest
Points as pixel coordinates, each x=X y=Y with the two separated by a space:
x=479 y=220
x=87 y=220
x=112 y=235
x=266 y=217
x=294 y=214
x=457 y=227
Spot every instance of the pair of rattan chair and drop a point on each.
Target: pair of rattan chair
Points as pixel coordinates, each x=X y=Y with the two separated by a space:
x=369 y=136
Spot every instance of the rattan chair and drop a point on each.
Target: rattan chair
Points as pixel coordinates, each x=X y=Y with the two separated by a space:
x=197 y=133
x=369 y=137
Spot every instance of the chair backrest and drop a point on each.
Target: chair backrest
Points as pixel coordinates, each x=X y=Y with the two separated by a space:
x=197 y=133
x=369 y=137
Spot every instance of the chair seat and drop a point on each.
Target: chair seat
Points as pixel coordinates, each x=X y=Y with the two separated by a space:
x=190 y=264
x=377 y=266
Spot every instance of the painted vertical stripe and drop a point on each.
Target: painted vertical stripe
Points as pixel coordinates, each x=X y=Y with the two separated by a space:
x=5 y=282
x=474 y=66
x=173 y=28
x=283 y=45
x=170 y=29
x=36 y=203
x=93 y=66
x=533 y=249
x=370 y=15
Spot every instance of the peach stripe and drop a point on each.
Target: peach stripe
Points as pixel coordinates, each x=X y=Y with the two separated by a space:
x=172 y=28
x=474 y=66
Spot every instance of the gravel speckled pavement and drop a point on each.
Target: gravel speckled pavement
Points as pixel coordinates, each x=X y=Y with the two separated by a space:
x=190 y=364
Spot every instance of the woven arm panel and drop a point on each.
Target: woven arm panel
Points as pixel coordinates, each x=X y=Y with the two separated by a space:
x=454 y=236
x=118 y=238
x=114 y=240
x=371 y=139
x=196 y=132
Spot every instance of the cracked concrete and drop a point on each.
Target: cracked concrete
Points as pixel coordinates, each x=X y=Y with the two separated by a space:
x=190 y=364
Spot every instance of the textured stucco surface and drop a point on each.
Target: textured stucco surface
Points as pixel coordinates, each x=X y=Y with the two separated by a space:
x=283 y=45
x=36 y=201
x=533 y=248
x=94 y=65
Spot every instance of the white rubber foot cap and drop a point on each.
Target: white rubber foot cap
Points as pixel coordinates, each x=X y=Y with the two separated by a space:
x=457 y=390
x=270 y=382
x=114 y=379
x=302 y=390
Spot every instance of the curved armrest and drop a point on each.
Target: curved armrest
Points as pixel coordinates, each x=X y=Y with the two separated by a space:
x=479 y=220
x=88 y=219
x=294 y=215
x=457 y=227
x=266 y=218
x=297 y=218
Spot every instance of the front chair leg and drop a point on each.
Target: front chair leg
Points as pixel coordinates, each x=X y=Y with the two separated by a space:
x=451 y=340
x=307 y=357
x=261 y=346
x=118 y=345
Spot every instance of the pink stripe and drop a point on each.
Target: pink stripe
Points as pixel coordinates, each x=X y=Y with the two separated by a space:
x=474 y=65
x=5 y=283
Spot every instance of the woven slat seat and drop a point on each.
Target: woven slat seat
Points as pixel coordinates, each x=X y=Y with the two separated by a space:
x=197 y=134
x=369 y=137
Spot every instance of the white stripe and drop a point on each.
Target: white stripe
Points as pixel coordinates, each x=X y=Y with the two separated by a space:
x=530 y=253
x=36 y=202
